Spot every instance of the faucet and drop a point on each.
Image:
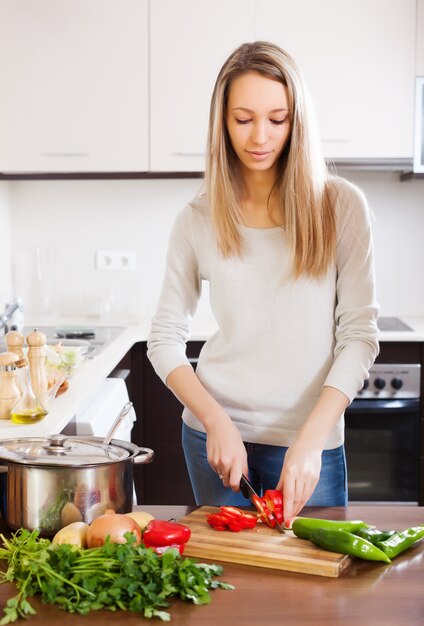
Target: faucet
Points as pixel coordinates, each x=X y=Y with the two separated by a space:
x=9 y=315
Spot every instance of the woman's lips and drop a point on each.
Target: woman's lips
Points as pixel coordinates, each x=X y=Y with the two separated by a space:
x=258 y=155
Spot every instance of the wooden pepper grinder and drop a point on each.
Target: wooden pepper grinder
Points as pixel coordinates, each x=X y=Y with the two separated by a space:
x=14 y=342
x=9 y=390
x=37 y=363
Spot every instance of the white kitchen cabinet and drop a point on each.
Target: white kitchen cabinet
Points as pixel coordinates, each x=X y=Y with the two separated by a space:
x=358 y=59
x=190 y=40
x=420 y=37
x=74 y=85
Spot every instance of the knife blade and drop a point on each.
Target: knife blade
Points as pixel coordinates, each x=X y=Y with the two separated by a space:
x=248 y=492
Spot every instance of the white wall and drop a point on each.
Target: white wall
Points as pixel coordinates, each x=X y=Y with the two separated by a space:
x=75 y=218
x=5 y=243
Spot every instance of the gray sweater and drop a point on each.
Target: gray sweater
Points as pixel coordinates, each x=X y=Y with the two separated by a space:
x=279 y=339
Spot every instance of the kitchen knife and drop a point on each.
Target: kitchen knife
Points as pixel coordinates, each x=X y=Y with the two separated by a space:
x=266 y=515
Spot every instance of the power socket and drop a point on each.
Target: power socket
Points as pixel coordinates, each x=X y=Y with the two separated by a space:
x=116 y=260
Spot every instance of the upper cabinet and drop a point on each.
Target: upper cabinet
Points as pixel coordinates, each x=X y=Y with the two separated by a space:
x=358 y=60
x=420 y=37
x=74 y=85
x=125 y=85
x=190 y=40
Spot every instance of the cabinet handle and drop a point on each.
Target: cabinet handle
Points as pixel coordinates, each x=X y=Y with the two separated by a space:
x=64 y=154
x=189 y=154
x=336 y=140
x=193 y=359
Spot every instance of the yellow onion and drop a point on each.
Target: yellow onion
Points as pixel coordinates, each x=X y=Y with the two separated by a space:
x=113 y=525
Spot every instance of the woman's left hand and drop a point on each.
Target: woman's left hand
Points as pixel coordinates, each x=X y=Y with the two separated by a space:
x=299 y=477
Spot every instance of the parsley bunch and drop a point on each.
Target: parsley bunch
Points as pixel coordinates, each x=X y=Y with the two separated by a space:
x=115 y=576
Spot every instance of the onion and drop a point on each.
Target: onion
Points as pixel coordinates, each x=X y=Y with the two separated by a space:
x=113 y=525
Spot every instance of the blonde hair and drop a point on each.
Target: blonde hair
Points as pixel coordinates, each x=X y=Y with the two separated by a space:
x=301 y=184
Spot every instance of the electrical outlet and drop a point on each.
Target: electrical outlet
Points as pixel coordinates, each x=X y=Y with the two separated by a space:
x=115 y=260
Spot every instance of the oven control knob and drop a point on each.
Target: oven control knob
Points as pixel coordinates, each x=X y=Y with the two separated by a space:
x=396 y=383
x=379 y=383
x=365 y=385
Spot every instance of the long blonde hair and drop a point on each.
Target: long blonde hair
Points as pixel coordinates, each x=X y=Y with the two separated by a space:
x=301 y=185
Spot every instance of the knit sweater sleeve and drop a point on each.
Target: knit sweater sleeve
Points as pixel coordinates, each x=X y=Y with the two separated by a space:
x=181 y=289
x=356 y=308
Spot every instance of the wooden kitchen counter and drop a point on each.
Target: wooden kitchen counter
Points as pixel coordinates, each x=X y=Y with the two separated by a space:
x=367 y=593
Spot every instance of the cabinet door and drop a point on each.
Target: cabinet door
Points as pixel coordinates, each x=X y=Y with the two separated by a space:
x=358 y=59
x=190 y=40
x=73 y=93
x=420 y=38
x=158 y=426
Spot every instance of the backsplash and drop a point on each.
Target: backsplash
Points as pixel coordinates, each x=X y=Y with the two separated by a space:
x=56 y=227
x=5 y=245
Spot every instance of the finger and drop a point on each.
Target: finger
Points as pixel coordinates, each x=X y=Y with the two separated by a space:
x=235 y=475
x=288 y=502
x=307 y=491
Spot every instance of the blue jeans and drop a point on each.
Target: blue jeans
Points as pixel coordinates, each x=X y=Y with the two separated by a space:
x=265 y=463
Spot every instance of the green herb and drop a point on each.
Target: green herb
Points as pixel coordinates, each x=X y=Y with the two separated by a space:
x=115 y=576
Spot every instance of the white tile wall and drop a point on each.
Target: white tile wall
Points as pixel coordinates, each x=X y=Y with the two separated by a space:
x=69 y=220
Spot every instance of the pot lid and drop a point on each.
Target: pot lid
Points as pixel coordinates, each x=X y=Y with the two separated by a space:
x=60 y=450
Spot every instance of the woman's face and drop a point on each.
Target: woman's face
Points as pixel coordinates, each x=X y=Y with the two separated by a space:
x=258 y=120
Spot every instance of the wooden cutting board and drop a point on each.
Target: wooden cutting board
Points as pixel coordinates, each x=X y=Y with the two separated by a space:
x=260 y=546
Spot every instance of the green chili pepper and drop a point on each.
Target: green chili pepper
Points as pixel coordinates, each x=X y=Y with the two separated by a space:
x=347 y=543
x=400 y=541
x=373 y=534
x=303 y=526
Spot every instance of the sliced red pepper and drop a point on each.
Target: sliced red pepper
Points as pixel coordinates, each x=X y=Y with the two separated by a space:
x=264 y=512
x=273 y=499
x=247 y=520
x=231 y=518
x=231 y=512
x=217 y=519
x=250 y=520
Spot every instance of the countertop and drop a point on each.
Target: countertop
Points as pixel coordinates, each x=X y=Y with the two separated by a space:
x=91 y=374
x=367 y=593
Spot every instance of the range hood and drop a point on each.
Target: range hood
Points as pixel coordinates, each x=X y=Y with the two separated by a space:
x=396 y=165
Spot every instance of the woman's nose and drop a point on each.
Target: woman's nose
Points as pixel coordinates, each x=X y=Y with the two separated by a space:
x=259 y=134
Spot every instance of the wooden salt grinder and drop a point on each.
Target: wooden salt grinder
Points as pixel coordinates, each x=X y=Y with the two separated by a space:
x=14 y=342
x=9 y=390
x=37 y=363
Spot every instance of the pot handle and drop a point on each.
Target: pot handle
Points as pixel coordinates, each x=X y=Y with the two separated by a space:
x=144 y=455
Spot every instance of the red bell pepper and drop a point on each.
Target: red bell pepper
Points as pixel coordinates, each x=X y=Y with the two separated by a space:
x=273 y=499
x=264 y=513
x=232 y=518
x=160 y=535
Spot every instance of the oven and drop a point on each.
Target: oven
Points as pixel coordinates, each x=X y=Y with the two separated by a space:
x=383 y=436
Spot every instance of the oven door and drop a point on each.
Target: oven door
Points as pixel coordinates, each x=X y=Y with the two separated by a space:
x=382 y=450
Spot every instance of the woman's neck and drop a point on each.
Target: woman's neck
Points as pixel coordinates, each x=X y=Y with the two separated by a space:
x=258 y=205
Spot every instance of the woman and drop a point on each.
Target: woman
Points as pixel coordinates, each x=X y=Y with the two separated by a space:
x=286 y=249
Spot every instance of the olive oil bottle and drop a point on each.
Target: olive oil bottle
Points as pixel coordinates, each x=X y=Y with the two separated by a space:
x=28 y=409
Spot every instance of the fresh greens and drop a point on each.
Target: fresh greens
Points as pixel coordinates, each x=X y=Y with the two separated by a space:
x=115 y=576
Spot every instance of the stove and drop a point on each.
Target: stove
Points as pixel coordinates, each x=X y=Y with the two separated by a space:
x=392 y=324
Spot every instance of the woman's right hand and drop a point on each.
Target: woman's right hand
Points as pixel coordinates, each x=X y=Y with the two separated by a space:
x=225 y=449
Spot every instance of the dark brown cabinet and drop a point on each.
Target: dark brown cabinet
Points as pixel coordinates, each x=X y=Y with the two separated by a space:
x=158 y=426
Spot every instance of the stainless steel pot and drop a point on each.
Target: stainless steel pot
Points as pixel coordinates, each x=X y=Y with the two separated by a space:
x=49 y=482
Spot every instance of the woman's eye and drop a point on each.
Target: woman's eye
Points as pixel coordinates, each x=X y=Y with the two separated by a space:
x=242 y=121
x=278 y=122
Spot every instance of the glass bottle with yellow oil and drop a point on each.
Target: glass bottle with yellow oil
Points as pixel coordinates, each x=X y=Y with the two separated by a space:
x=28 y=409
